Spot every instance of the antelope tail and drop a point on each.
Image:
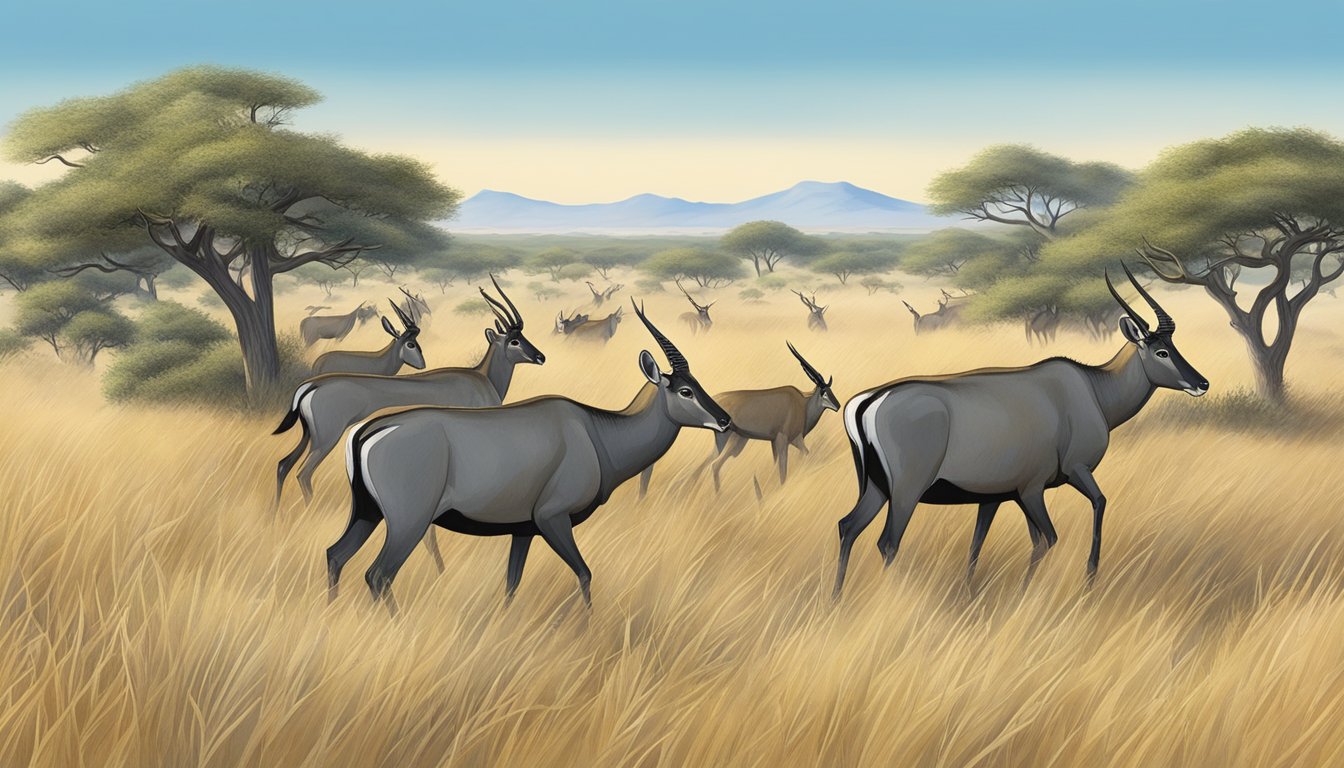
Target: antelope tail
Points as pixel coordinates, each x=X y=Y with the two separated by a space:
x=292 y=416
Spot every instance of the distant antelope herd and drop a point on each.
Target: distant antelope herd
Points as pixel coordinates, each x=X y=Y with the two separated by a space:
x=454 y=455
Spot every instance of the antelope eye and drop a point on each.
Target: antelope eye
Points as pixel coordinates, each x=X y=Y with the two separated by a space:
x=515 y=343
x=1164 y=354
x=685 y=392
x=410 y=345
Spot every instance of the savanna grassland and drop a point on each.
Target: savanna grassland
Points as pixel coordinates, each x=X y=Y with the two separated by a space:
x=154 y=610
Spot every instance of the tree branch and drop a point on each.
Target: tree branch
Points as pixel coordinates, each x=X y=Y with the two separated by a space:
x=61 y=158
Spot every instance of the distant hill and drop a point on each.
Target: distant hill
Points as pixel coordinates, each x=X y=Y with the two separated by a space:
x=810 y=205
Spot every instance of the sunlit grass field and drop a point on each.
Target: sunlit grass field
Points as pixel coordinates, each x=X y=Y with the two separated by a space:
x=154 y=610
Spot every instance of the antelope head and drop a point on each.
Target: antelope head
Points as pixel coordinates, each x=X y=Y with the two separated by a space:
x=823 y=393
x=508 y=330
x=703 y=309
x=1162 y=362
x=410 y=351
x=688 y=404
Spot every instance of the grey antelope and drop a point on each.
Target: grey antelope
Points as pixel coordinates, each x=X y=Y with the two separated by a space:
x=324 y=406
x=597 y=330
x=699 y=320
x=538 y=467
x=949 y=312
x=565 y=325
x=1006 y=434
x=1042 y=324
x=604 y=294
x=335 y=327
x=782 y=416
x=415 y=305
x=403 y=349
x=816 y=315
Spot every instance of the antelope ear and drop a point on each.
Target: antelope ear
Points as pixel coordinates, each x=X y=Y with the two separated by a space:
x=649 y=368
x=490 y=335
x=1131 y=331
x=387 y=326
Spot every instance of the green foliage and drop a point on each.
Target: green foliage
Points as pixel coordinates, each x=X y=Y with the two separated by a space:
x=707 y=268
x=875 y=283
x=606 y=259
x=1019 y=184
x=752 y=295
x=576 y=271
x=650 y=285
x=92 y=331
x=945 y=252
x=766 y=243
x=843 y=264
x=473 y=307
x=542 y=291
x=44 y=310
x=551 y=261
x=167 y=321
x=12 y=343
x=772 y=282
x=206 y=150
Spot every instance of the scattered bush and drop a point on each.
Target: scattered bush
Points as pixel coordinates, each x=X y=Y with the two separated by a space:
x=12 y=343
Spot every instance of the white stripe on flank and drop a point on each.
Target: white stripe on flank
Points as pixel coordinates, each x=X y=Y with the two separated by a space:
x=869 y=423
x=852 y=423
x=298 y=394
x=369 y=442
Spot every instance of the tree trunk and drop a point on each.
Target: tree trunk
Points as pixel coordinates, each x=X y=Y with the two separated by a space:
x=1269 y=363
x=254 y=319
x=756 y=262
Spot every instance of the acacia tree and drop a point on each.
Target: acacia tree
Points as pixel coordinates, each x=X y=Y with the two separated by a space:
x=768 y=243
x=16 y=267
x=551 y=261
x=201 y=164
x=606 y=259
x=846 y=263
x=1208 y=213
x=1021 y=185
x=709 y=269
x=946 y=252
x=44 y=310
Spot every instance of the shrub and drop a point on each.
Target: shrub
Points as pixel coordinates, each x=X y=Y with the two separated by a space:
x=12 y=343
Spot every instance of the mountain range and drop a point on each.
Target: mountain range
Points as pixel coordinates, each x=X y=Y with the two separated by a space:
x=808 y=205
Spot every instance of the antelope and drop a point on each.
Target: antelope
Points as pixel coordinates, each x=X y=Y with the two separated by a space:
x=948 y=313
x=538 y=467
x=597 y=330
x=314 y=308
x=994 y=435
x=699 y=320
x=415 y=305
x=782 y=416
x=324 y=406
x=565 y=325
x=816 y=317
x=404 y=348
x=334 y=327
x=1042 y=325
x=603 y=295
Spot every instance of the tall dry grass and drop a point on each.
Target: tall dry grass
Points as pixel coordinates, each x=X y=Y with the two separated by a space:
x=154 y=611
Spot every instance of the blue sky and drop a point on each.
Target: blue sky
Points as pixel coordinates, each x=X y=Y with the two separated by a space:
x=580 y=101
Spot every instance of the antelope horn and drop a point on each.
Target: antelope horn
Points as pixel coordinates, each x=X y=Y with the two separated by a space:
x=517 y=316
x=1135 y=316
x=1164 y=322
x=673 y=354
x=406 y=321
x=811 y=372
x=496 y=307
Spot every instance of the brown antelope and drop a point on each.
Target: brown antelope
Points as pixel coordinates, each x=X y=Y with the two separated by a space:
x=597 y=330
x=699 y=320
x=816 y=316
x=314 y=328
x=782 y=416
x=603 y=295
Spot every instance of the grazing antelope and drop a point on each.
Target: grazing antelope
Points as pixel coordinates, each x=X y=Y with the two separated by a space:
x=335 y=327
x=324 y=406
x=816 y=315
x=995 y=435
x=948 y=313
x=404 y=348
x=699 y=320
x=782 y=416
x=597 y=330
x=564 y=325
x=539 y=467
x=603 y=295
x=1042 y=325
